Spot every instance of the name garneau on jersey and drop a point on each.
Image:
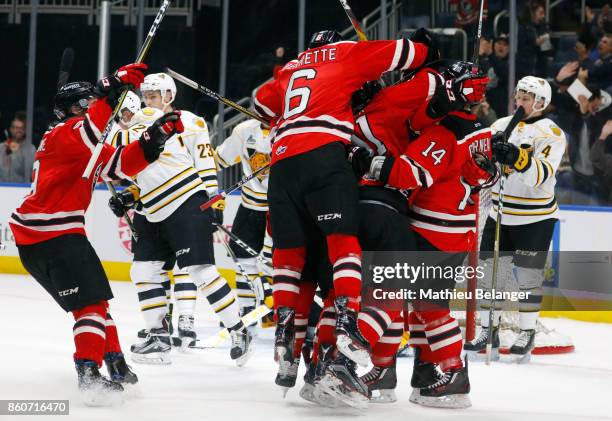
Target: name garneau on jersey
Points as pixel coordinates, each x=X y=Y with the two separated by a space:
x=529 y=196
x=249 y=146
x=440 y=208
x=310 y=99
x=186 y=166
x=60 y=196
x=386 y=122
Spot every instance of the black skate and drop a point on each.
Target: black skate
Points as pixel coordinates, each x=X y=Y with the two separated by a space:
x=424 y=374
x=451 y=391
x=349 y=340
x=118 y=370
x=96 y=390
x=186 y=332
x=284 y=337
x=381 y=382
x=242 y=347
x=154 y=350
x=144 y=333
x=311 y=391
x=342 y=382
x=523 y=346
x=287 y=375
x=477 y=347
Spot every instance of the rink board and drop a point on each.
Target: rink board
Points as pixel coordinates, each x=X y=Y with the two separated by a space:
x=581 y=228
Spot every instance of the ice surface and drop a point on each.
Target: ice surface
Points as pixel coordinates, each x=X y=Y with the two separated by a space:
x=36 y=363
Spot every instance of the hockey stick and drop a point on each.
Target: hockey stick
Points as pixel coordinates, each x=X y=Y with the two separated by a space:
x=248 y=319
x=235 y=187
x=476 y=54
x=349 y=12
x=206 y=91
x=231 y=253
x=144 y=50
x=65 y=67
x=242 y=244
x=518 y=115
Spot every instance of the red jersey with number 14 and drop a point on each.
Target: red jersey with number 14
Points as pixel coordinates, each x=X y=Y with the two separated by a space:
x=60 y=196
x=311 y=97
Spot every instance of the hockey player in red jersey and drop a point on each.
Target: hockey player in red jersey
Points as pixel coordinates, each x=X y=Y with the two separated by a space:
x=443 y=166
x=310 y=180
x=49 y=225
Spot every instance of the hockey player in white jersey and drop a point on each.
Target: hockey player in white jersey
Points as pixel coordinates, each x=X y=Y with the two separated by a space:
x=532 y=154
x=170 y=195
x=131 y=105
x=250 y=147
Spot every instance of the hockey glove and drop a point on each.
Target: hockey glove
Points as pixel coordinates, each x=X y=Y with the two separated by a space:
x=362 y=97
x=360 y=159
x=508 y=154
x=217 y=211
x=479 y=172
x=123 y=201
x=127 y=77
x=154 y=138
x=423 y=36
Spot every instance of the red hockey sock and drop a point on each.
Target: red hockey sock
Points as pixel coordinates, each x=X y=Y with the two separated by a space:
x=373 y=322
x=344 y=252
x=302 y=311
x=383 y=354
x=112 y=337
x=443 y=337
x=288 y=264
x=327 y=322
x=90 y=332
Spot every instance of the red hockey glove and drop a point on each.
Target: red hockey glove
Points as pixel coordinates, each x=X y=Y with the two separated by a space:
x=128 y=76
x=479 y=172
x=468 y=89
x=154 y=138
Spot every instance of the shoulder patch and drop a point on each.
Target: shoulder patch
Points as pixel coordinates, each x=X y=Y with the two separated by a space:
x=148 y=111
x=555 y=130
x=199 y=122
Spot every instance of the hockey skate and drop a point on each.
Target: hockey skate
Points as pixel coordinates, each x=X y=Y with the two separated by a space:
x=144 y=333
x=381 y=382
x=523 y=346
x=287 y=375
x=242 y=346
x=118 y=370
x=154 y=350
x=284 y=338
x=424 y=373
x=451 y=391
x=341 y=382
x=95 y=389
x=349 y=340
x=476 y=348
x=186 y=332
x=311 y=391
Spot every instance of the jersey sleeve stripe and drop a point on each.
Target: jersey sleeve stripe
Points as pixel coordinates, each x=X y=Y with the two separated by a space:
x=425 y=173
x=262 y=109
x=405 y=62
x=415 y=171
x=431 y=89
x=85 y=138
x=112 y=170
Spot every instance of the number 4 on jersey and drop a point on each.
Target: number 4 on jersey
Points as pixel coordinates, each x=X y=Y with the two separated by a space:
x=437 y=155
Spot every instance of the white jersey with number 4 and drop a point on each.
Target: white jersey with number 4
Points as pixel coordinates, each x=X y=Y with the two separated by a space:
x=529 y=196
x=249 y=146
x=186 y=165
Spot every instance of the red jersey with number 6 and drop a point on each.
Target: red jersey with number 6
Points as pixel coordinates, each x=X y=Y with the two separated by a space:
x=60 y=196
x=442 y=209
x=311 y=97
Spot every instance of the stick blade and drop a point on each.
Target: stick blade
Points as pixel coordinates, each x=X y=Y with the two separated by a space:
x=65 y=67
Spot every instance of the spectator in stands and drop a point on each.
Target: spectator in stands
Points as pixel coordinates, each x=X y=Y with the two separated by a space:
x=600 y=73
x=534 y=42
x=601 y=157
x=279 y=60
x=467 y=15
x=485 y=113
x=494 y=61
x=585 y=44
x=596 y=23
x=16 y=155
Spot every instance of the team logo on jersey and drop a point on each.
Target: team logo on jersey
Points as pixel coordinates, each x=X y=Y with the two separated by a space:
x=259 y=160
x=281 y=150
x=125 y=234
x=199 y=122
x=555 y=130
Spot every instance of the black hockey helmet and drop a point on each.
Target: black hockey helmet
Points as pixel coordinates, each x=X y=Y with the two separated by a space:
x=453 y=69
x=70 y=94
x=323 y=38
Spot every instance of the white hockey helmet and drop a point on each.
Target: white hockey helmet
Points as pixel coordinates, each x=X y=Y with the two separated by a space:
x=146 y=116
x=132 y=103
x=537 y=86
x=160 y=82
